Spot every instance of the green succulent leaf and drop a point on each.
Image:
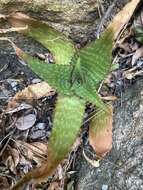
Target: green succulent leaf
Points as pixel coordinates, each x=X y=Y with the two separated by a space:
x=76 y=77
x=89 y=94
x=96 y=57
x=67 y=122
x=139 y=33
x=72 y=79
x=83 y=69
x=58 y=76
x=62 y=48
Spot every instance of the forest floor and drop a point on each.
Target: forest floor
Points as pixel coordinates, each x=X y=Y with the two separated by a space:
x=22 y=147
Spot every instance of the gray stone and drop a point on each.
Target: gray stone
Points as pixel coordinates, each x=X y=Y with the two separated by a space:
x=76 y=18
x=122 y=169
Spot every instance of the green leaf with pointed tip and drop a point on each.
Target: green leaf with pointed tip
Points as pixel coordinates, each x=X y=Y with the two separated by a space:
x=58 y=76
x=62 y=48
x=67 y=122
x=89 y=94
x=139 y=33
x=96 y=57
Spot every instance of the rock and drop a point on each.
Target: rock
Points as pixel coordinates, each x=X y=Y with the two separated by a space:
x=78 y=19
x=38 y=135
x=122 y=168
x=36 y=80
x=104 y=187
x=41 y=126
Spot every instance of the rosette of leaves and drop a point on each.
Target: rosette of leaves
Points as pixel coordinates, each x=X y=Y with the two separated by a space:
x=76 y=76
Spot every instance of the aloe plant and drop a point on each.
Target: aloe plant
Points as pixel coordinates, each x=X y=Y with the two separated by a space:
x=76 y=75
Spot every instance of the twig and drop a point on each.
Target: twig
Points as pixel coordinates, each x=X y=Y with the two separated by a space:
x=13 y=29
x=5 y=66
x=9 y=136
x=106 y=15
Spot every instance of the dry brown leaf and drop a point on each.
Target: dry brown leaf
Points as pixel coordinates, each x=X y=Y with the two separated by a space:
x=25 y=122
x=22 y=106
x=60 y=172
x=54 y=186
x=34 y=151
x=76 y=144
x=15 y=156
x=39 y=147
x=13 y=29
x=109 y=98
x=94 y=163
x=4 y=184
x=138 y=54
x=100 y=132
x=131 y=74
x=124 y=46
x=34 y=91
x=123 y=17
x=10 y=163
x=13 y=159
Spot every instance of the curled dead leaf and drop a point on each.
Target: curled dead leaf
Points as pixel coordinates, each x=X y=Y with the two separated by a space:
x=13 y=29
x=94 y=163
x=39 y=147
x=34 y=91
x=22 y=106
x=36 y=151
x=123 y=17
x=100 y=132
x=12 y=159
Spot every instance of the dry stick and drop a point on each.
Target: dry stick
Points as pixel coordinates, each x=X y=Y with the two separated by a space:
x=99 y=4
x=4 y=68
x=9 y=40
x=13 y=29
x=9 y=136
x=105 y=17
x=99 y=158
